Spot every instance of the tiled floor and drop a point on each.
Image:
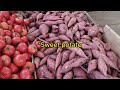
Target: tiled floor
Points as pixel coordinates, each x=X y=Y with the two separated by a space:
x=112 y=18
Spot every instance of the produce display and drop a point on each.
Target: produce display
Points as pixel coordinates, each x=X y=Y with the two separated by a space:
x=63 y=44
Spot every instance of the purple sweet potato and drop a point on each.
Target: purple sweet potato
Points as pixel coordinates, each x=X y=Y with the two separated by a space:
x=75 y=28
x=93 y=45
x=53 y=56
x=59 y=22
x=79 y=52
x=77 y=34
x=44 y=60
x=51 y=35
x=52 y=39
x=65 y=56
x=68 y=75
x=107 y=46
x=66 y=13
x=40 y=54
x=82 y=32
x=37 y=61
x=63 y=37
x=72 y=55
x=51 y=65
x=92 y=65
x=54 y=27
x=102 y=66
x=49 y=51
x=52 y=18
x=69 y=34
x=58 y=74
x=88 y=53
x=58 y=60
x=109 y=70
x=96 y=53
x=59 y=50
x=92 y=32
x=85 y=37
x=39 y=16
x=62 y=28
x=114 y=73
x=49 y=23
x=79 y=19
x=85 y=46
x=78 y=72
x=79 y=78
x=48 y=74
x=66 y=19
x=44 y=29
x=72 y=21
x=81 y=25
x=97 y=39
x=31 y=30
x=78 y=62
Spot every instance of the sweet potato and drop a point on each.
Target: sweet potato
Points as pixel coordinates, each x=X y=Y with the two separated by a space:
x=77 y=34
x=102 y=66
x=79 y=52
x=97 y=39
x=39 y=16
x=79 y=19
x=48 y=74
x=88 y=53
x=72 y=55
x=49 y=51
x=66 y=13
x=81 y=25
x=75 y=28
x=99 y=35
x=109 y=62
x=58 y=74
x=54 y=27
x=51 y=65
x=52 y=18
x=78 y=62
x=66 y=67
x=37 y=61
x=96 y=53
x=53 y=56
x=92 y=32
x=65 y=56
x=57 y=41
x=109 y=70
x=42 y=49
x=52 y=39
x=82 y=32
x=62 y=28
x=58 y=60
x=78 y=72
x=66 y=19
x=31 y=38
x=72 y=21
x=31 y=30
x=35 y=33
x=79 y=78
x=40 y=54
x=114 y=73
x=63 y=37
x=92 y=65
x=59 y=22
x=118 y=63
x=69 y=34
x=59 y=50
x=85 y=37
x=86 y=41
x=44 y=29
x=107 y=46
x=68 y=75
x=49 y=23
x=44 y=60
x=32 y=24
x=85 y=46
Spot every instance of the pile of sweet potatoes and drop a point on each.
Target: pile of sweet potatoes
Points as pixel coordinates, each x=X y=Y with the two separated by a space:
x=94 y=60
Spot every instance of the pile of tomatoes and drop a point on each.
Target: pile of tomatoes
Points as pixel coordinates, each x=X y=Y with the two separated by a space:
x=15 y=59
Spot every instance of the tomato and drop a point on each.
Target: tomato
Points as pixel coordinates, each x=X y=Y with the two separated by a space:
x=16 y=40
x=19 y=60
x=30 y=66
x=5 y=14
x=4 y=25
x=25 y=74
x=2 y=44
x=1 y=37
x=4 y=20
x=24 y=32
x=24 y=39
x=26 y=22
x=8 y=50
x=8 y=33
x=1 y=64
x=18 y=28
x=16 y=53
x=19 y=20
x=15 y=34
x=32 y=77
x=22 y=47
x=38 y=45
x=5 y=72
x=32 y=49
x=6 y=60
x=12 y=18
x=10 y=27
x=26 y=56
x=13 y=68
x=1 y=17
x=10 y=22
x=15 y=76
x=7 y=39
x=2 y=32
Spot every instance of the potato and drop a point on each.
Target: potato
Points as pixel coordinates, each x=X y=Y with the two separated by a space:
x=72 y=55
x=37 y=61
x=49 y=51
x=68 y=75
x=44 y=29
x=65 y=56
x=72 y=21
x=58 y=60
x=51 y=65
x=58 y=74
x=44 y=60
x=40 y=54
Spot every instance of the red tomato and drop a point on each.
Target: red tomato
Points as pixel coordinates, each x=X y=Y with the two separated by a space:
x=14 y=15
x=8 y=50
x=1 y=64
x=2 y=32
x=2 y=44
x=26 y=56
x=8 y=33
x=16 y=40
x=1 y=37
x=4 y=25
x=25 y=74
x=15 y=76
x=15 y=34
x=19 y=60
x=38 y=45
x=13 y=68
x=10 y=22
x=19 y=20
x=12 y=18
x=32 y=49
x=4 y=20
x=10 y=27
x=1 y=17
x=18 y=28
x=30 y=66
x=5 y=14
x=24 y=39
x=16 y=53
x=26 y=22
x=22 y=47
x=7 y=39
x=24 y=32
x=5 y=72
x=6 y=60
